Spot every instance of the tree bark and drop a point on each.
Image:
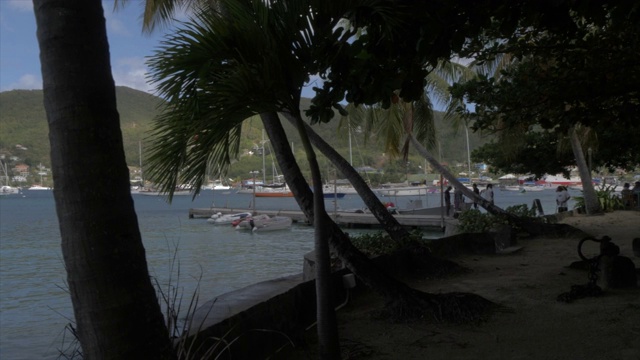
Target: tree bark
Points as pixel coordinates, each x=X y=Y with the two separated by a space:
x=115 y=305
x=402 y=300
x=591 y=202
x=328 y=339
x=534 y=228
x=396 y=231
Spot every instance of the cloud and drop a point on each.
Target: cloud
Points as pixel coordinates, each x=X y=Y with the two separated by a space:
x=21 y=5
x=27 y=82
x=131 y=72
x=117 y=27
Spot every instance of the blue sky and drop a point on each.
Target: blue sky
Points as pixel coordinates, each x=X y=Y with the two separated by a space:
x=19 y=53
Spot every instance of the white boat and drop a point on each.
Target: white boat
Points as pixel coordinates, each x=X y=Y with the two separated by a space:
x=9 y=190
x=154 y=192
x=227 y=219
x=532 y=188
x=405 y=191
x=559 y=179
x=39 y=187
x=415 y=207
x=249 y=222
x=273 y=223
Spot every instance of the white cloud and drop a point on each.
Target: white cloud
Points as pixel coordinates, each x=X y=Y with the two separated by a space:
x=27 y=82
x=22 y=5
x=131 y=72
x=117 y=27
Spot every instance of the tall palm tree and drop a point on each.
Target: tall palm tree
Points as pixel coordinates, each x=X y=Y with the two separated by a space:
x=216 y=72
x=116 y=310
x=249 y=58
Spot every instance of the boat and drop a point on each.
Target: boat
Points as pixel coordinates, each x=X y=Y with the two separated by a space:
x=227 y=219
x=334 y=195
x=274 y=193
x=559 y=179
x=159 y=193
x=405 y=191
x=9 y=190
x=268 y=224
x=245 y=223
x=415 y=207
x=39 y=187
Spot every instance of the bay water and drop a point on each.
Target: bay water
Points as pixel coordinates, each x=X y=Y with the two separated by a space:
x=210 y=260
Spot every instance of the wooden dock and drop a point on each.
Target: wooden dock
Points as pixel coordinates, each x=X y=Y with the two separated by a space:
x=346 y=219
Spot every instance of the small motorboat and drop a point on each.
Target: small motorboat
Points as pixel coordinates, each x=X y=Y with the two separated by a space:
x=267 y=224
x=244 y=223
x=227 y=219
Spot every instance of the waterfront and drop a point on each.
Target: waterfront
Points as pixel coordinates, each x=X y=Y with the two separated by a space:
x=34 y=307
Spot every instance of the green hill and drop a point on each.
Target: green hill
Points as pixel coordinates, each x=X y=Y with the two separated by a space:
x=23 y=122
x=24 y=134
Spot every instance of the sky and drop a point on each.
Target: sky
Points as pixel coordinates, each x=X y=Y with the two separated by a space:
x=129 y=47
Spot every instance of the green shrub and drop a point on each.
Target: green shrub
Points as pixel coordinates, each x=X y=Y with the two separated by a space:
x=380 y=243
x=474 y=221
x=607 y=197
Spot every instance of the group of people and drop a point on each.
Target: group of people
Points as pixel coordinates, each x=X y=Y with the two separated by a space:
x=458 y=197
x=630 y=197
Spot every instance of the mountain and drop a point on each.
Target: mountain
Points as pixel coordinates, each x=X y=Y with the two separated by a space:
x=24 y=134
x=23 y=122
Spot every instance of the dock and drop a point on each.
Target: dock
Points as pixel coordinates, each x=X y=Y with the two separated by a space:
x=345 y=219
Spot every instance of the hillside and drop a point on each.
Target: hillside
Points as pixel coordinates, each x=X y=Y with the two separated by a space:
x=23 y=122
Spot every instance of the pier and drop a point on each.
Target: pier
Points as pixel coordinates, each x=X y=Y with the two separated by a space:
x=346 y=219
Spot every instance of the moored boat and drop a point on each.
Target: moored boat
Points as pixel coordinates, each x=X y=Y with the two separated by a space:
x=271 y=224
x=227 y=219
x=245 y=223
x=9 y=190
x=274 y=193
x=39 y=187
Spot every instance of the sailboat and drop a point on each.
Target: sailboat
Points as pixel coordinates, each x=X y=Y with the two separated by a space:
x=7 y=189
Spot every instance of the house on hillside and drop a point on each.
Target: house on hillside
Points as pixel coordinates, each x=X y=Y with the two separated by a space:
x=21 y=169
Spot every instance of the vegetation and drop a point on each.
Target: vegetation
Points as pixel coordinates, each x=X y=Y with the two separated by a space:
x=23 y=122
x=392 y=40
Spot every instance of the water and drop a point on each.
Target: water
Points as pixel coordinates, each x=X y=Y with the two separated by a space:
x=34 y=306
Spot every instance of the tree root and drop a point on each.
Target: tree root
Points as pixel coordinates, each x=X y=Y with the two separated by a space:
x=457 y=308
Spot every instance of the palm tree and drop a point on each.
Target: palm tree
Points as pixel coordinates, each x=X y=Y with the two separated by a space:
x=509 y=133
x=115 y=306
x=245 y=65
x=219 y=70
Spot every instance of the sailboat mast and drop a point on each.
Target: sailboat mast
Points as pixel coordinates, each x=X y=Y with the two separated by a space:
x=264 y=176
x=350 y=152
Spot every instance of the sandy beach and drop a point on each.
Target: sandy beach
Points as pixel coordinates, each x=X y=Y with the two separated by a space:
x=534 y=324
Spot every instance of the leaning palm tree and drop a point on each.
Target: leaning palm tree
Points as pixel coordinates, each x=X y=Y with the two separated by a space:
x=219 y=70
x=244 y=65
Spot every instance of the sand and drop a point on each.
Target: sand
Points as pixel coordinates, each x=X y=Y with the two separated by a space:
x=534 y=325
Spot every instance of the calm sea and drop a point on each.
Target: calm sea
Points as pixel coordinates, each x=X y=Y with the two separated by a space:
x=34 y=305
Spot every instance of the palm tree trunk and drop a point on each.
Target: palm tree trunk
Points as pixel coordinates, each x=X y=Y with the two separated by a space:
x=328 y=339
x=534 y=228
x=116 y=310
x=388 y=222
x=591 y=202
x=354 y=259
x=398 y=295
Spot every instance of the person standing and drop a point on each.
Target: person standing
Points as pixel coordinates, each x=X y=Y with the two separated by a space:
x=488 y=193
x=477 y=192
x=447 y=199
x=562 y=197
x=626 y=196
x=458 y=200
x=636 y=193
